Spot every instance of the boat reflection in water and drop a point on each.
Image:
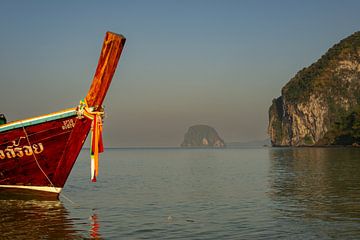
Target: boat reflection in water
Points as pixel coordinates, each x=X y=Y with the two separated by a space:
x=36 y=220
x=95 y=226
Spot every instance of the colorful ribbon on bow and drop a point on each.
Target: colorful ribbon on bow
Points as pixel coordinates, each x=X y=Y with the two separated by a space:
x=96 y=146
x=96 y=136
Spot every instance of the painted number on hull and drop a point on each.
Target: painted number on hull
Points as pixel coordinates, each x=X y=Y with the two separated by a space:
x=68 y=124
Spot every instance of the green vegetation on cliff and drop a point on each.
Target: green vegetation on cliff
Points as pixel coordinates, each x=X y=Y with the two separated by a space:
x=345 y=131
x=319 y=76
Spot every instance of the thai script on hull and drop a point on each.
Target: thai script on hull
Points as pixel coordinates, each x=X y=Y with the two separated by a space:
x=15 y=150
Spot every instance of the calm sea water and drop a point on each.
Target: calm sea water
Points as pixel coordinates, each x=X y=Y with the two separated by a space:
x=254 y=193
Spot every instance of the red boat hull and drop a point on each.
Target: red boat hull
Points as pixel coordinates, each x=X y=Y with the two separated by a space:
x=40 y=157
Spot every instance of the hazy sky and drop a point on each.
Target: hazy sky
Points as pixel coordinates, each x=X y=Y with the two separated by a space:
x=185 y=62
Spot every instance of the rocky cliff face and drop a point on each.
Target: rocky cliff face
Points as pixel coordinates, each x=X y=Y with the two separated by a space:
x=319 y=106
x=202 y=136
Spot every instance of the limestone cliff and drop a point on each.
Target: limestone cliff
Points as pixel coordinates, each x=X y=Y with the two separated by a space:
x=202 y=136
x=319 y=105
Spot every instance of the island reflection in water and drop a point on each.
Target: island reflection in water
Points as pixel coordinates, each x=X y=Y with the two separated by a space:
x=36 y=220
x=318 y=187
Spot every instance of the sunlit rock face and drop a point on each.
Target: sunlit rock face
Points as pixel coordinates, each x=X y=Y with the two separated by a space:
x=320 y=104
x=202 y=136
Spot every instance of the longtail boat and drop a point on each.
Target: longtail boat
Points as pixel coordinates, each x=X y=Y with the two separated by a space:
x=37 y=154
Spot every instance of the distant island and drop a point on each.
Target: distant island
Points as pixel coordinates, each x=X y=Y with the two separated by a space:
x=202 y=136
x=320 y=104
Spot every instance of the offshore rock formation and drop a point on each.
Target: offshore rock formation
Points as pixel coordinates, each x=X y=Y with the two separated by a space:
x=202 y=136
x=320 y=105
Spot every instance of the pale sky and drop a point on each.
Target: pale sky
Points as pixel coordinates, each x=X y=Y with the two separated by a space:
x=185 y=62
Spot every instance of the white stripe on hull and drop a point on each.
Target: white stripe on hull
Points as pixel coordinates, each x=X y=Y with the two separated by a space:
x=36 y=188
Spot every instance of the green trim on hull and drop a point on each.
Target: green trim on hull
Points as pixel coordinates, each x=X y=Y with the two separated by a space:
x=37 y=120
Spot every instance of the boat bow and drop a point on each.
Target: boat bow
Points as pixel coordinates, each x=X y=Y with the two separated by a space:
x=37 y=154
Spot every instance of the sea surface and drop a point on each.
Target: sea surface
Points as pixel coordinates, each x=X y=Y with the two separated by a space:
x=243 y=193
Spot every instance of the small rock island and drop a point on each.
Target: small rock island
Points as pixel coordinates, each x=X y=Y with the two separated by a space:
x=320 y=105
x=202 y=136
